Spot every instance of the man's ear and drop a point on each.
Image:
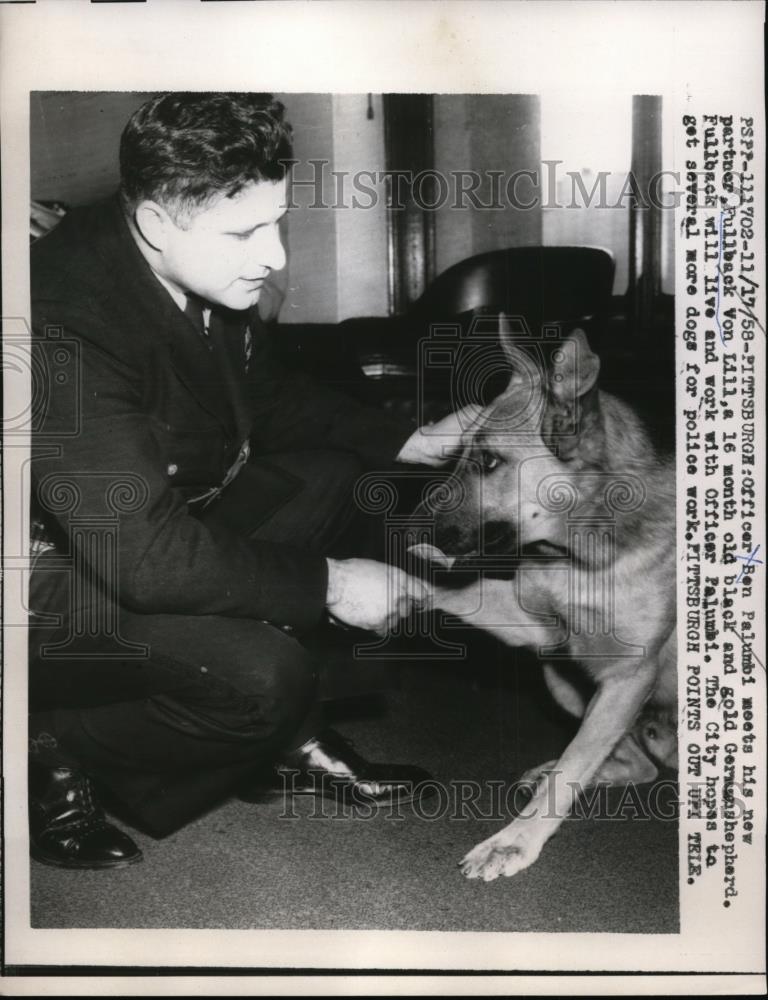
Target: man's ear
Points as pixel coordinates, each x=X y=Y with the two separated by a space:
x=522 y=365
x=152 y=222
x=576 y=372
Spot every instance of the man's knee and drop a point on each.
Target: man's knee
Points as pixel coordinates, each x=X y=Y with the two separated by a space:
x=275 y=669
x=213 y=677
x=238 y=678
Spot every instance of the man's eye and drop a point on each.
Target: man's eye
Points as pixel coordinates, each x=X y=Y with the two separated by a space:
x=489 y=460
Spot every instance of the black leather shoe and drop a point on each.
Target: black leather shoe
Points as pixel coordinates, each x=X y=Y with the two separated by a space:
x=328 y=767
x=67 y=826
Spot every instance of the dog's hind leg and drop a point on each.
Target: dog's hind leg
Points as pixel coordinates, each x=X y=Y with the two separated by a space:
x=609 y=716
x=656 y=732
x=627 y=764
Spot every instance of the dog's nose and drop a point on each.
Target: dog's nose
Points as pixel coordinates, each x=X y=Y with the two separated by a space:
x=454 y=539
x=498 y=537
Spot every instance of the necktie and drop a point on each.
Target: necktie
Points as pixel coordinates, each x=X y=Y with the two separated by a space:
x=193 y=310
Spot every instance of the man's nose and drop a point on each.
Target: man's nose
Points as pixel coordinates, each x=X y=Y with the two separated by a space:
x=273 y=252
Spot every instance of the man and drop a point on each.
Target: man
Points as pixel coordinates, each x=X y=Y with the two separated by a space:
x=198 y=519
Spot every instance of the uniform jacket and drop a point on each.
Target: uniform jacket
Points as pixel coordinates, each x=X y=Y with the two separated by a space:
x=138 y=416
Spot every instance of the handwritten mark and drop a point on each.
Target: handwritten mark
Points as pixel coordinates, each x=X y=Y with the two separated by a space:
x=755 y=657
x=749 y=560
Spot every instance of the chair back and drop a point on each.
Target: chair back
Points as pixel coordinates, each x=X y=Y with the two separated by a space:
x=542 y=284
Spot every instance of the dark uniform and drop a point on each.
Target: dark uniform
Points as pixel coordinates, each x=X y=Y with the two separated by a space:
x=189 y=488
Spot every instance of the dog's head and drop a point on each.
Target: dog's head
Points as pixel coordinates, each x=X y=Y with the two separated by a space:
x=542 y=430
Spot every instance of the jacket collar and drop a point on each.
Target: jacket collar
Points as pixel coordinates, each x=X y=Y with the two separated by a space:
x=218 y=387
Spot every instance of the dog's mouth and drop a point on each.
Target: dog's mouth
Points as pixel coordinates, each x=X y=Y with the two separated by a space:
x=429 y=559
x=442 y=570
x=543 y=547
x=427 y=553
x=431 y=555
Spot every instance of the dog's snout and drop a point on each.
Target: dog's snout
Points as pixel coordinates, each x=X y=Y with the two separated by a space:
x=498 y=537
x=454 y=539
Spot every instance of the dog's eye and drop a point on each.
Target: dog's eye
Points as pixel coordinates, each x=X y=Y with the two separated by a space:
x=489 y=460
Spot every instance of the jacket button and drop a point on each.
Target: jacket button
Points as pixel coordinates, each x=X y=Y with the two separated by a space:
x=172 y=469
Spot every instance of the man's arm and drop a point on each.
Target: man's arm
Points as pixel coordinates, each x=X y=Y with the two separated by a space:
x=292 y=411
x=168 y=560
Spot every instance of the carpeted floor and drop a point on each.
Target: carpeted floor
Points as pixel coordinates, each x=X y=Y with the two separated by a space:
x=286 y=865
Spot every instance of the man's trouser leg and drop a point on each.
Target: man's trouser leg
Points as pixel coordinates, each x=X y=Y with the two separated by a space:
x=172 y=732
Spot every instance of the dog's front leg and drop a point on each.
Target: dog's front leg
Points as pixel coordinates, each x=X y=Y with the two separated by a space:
x=609 y=715
x=495 y=606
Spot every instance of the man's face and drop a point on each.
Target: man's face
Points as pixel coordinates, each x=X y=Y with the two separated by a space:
x=224 y=252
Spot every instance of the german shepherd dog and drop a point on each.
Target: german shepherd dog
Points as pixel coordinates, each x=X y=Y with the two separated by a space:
x=563 y=477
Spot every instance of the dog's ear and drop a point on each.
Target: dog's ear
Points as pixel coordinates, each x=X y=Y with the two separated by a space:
x=575 y=370
x=522 y=365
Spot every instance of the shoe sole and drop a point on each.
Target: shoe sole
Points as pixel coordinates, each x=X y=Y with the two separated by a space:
x=51 y=862
x=277 y=794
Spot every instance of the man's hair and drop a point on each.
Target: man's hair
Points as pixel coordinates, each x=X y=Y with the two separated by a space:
x=183 y=149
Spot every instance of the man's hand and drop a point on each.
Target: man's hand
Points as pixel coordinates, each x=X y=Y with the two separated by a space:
x=371 y=595
x=436 y=444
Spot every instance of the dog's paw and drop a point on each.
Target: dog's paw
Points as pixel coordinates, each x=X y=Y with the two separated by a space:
x=505 y=853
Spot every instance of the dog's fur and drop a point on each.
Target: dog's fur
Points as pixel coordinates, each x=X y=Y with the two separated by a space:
x=620 y=674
